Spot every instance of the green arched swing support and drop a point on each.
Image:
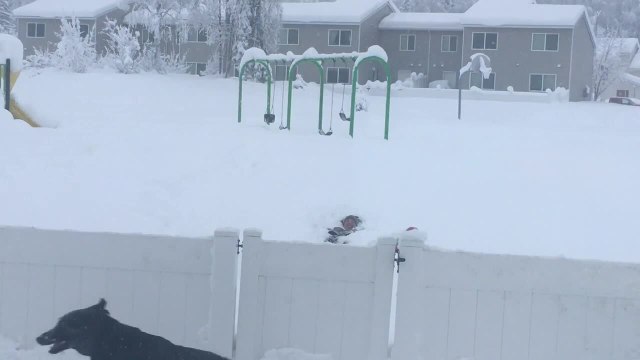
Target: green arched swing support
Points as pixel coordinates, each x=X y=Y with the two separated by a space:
x=266 y=65
x=310 y=56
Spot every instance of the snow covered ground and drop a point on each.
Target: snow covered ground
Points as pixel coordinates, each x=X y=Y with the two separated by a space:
x=164 y=154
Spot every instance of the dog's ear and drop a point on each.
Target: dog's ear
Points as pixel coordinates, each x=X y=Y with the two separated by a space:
x=102 y=305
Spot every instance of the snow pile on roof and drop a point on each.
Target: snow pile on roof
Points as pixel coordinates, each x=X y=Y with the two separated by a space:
x=68 y=8
x=422 y=21
x=635 y=80
x=635 y=63
x=11 y=48
x=521 y=13
x=336 y=11
x=629 y=45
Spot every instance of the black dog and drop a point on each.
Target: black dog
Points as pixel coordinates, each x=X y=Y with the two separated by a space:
x=92 y=332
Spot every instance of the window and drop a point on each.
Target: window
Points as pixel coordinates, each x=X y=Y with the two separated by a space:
x=197 y=68
x=478 y=80
x=199 y=35
x=485 y=41
x=449 y=43
x=288 y=37
x=339 y=37
x=407 y=43
x=338 y=75
x=451 y=77
x=622 y=93
x=146 y=36
x=84 y=31
x=544 y=42
x=282 y=72
x=542 y=82
x=35 y=30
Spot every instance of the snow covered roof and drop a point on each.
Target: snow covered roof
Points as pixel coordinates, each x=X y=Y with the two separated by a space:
x=522 y=13
x=635 y=80
x=422 y=21
x=629 y=45
x=635 y=63
x=336 y=11
x=68 y=8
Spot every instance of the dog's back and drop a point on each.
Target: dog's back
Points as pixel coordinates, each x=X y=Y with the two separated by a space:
x=93 y=333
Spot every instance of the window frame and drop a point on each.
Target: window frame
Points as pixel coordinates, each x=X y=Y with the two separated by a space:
x=86 y=33
x=624 y=92
x=455 y=76
x=196 y=64
x=340 y=31
x=35 y=35
x=483 y=80
x=197 y=31
x=288 y=30
x=555 y=82
x=485 y=40
x=545 y=42
x=287 y=69
x=407 y=36
x=442 y=42
x=338 y=68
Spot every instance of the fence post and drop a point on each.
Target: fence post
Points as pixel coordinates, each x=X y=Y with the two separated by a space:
x=223 y=291
x=409 y=301
x=248 y=310
x=7 y=84
x=383 y=288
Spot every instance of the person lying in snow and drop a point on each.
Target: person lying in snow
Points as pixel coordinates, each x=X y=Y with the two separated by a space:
x=350 y=224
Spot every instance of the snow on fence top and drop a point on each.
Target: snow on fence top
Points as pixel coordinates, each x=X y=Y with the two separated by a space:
x=422 y=21
x=256 y=54
x=522 y=13
x=11 y=48
x=337 y=11
x=67 y=8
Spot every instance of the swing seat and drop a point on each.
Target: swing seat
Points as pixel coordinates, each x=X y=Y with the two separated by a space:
x=344 y=117
x=269 y=118
x=328 y=133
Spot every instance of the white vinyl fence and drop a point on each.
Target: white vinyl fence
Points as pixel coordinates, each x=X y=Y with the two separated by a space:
x=453 y=305
x=160 y=284
x=323 y=298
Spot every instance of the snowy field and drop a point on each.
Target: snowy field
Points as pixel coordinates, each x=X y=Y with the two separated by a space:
x=164 y=155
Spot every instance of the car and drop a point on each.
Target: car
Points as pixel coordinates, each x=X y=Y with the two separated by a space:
x=624 y=101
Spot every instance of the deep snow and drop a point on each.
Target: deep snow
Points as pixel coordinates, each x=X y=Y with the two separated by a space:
x=164 y=154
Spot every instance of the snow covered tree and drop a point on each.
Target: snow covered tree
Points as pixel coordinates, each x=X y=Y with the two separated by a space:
x=123 y=48
x=156 y=17
x=75 y=51
x=608 y=63
x=7 y=25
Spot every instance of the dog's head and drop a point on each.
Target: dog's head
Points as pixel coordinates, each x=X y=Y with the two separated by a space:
x=76 y=330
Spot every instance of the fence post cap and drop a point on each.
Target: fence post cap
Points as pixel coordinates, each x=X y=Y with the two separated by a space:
x=252 y=232
x=413 y=239
x=226 y=232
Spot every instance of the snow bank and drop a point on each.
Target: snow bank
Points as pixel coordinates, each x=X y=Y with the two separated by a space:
x=68 y=8
x=11 y=48
x=293 y=354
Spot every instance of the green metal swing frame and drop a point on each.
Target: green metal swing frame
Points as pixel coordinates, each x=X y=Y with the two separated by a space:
x=319 y=63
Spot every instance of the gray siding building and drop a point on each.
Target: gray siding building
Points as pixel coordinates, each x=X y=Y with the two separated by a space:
x=39 y=22
x=533 y=47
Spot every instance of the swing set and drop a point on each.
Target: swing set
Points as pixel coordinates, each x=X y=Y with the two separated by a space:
x=258 y=56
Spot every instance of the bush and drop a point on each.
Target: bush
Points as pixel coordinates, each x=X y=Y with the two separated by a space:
x=74 y=52
x=123 y=48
